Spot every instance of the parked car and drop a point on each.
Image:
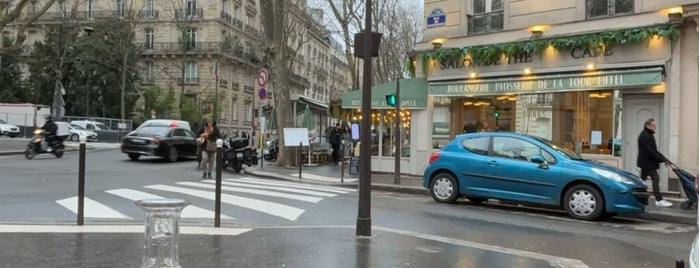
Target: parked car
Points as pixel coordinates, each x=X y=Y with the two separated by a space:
x=75 y=131
x=8 y=129
x=531 y=170
x=171 y=143
x=90 y=125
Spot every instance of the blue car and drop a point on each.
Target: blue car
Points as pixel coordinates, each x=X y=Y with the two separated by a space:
x=531 y=170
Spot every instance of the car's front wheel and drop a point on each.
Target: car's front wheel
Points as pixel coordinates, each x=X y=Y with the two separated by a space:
x=75 y=137
x=173 y=155
x=584 y=202
x=444 y=188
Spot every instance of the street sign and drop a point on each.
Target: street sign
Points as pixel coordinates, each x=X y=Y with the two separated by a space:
x=262 y=77
x=263 y=93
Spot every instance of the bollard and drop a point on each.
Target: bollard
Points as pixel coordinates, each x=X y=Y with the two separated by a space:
x=162 y=231
x=300 y=161
x=679 y=263
x=81 y=180
x=219 y=169
x=342 y=168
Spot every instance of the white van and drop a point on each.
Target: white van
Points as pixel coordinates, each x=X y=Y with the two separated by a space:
x=90 y=125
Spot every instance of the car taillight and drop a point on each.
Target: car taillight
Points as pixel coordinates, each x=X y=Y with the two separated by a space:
x=434 y=157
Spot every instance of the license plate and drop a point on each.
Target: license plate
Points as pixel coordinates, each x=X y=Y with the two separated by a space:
x=138 y=141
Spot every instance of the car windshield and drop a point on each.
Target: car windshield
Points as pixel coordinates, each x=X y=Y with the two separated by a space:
x=152 y=131
x=562 y=150
x=77 y=127
x=101 y=126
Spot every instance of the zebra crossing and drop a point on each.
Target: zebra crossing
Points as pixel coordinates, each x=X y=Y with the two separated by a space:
x=279 y=199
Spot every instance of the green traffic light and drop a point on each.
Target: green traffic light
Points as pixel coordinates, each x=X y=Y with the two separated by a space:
x=391 y=100
x=496 y=114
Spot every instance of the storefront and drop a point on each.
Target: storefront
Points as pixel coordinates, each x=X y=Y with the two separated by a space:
x=590 y=100
x=413 y=100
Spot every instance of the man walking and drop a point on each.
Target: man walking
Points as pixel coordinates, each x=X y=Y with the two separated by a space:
x=649 y=160
x=335 y=141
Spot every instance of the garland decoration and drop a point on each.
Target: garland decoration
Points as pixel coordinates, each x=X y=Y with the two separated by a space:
x=598 y=40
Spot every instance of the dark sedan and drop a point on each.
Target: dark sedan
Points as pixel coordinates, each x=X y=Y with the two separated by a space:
x=171 y=143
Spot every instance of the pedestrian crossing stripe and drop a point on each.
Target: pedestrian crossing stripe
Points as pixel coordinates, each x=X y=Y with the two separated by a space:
x=337 y=190
x=314 y=177
x=92 y=209
x=309 y=199
x=278 y=188
x=271 y=208
x=188 y=230
x=188 y=212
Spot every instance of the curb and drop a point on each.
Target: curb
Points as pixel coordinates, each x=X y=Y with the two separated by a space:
x=660 y=217
x=4 y=153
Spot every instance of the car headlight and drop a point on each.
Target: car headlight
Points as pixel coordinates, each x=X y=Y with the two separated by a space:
x=612 y=176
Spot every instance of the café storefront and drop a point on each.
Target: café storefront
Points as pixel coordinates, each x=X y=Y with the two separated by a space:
x=591 y=100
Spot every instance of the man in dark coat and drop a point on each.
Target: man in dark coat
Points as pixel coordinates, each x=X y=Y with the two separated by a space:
x=335 y=141
x=649 y=160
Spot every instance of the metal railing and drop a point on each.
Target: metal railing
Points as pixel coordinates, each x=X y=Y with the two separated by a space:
x=148 y=14
x=188 y=13
x=485 y=22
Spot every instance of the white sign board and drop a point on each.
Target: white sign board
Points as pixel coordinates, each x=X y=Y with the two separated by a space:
x=121 y=125
x=294 y=136
x=596 y=138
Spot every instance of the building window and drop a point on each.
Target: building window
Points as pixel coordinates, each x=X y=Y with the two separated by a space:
x=234 y=80
x=234 y=109
x=249 y=21
x=148 y=71
x=62 y=8
x=149 y=8
x=249 y=83
x=120 y=8
x=224 y=6
x=487 y=17
x=90 y=9
x=190 y=73
x=248 y=111
x=149 y=39
x=236 y=12
x=603 y=8
x=191 y=8
x=190 y=39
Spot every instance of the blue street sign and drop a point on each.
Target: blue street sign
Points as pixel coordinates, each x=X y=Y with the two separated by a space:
x=436 y=18
x=263 y=93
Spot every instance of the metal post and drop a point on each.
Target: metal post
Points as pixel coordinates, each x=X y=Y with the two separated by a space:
x=398 y=143
x=300 y=159
x=364 y=208
x=219 y=169
x=342 y=169
x=679 y=263
x=81 y=180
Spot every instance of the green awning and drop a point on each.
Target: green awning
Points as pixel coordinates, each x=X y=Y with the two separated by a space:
x=413 y=95
x=550 y=83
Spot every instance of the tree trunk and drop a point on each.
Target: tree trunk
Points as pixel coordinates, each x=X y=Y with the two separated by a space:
x=123 y=84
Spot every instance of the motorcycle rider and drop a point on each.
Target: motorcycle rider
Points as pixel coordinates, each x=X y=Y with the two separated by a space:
x=50 y=129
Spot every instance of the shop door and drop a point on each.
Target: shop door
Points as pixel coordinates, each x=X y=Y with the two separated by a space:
x=638 y=109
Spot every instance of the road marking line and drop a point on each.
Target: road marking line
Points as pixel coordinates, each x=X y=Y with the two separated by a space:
x=188 y=212
x=337 y=190
x=284 y=189
x=196 y=230
x=308 y=176
x=309 y=199
x=92 y=209
x=271 y=208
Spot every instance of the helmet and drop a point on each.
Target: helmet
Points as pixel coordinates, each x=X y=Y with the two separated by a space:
x=48 y=116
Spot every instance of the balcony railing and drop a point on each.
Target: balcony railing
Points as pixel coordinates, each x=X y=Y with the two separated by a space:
x=230 y=20
x=190 y=13
x=300 y=79
x=235 y=85
x=148 y=15
x=190 y=80
x=249 y=89
x=485 y=23
x=237 y=53
x=223 y=83
x=251 y=30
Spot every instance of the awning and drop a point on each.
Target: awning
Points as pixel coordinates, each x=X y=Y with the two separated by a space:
x=413 y=95
x=603 y=79
x=301 y=102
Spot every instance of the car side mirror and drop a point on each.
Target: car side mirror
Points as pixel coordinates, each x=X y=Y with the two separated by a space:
x=539 y=159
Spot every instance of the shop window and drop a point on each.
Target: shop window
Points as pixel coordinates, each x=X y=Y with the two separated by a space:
x=603 y=8
x=487 y=16
x=383 y=133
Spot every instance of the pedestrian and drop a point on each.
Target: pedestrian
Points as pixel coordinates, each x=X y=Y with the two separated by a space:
x=335 y=141
x=470 y=127
x=347 y=142
x=211 y=134
x=649 y=160
x=200 y=145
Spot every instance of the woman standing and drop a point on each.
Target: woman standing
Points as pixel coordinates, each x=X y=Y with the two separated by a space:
x=210 y=134
x=347 y=142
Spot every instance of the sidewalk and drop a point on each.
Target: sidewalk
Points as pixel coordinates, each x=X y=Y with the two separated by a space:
x=330 y=174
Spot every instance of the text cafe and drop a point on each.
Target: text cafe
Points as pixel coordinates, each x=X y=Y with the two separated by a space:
x=589 y=100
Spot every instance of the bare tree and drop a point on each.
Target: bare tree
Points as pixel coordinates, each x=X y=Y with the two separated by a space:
x=348 y=13
x=285 y=27
x=22 y=16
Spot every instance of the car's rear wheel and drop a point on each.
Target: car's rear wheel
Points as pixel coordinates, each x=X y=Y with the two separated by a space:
x=133 y=156
x=444 y=188
x=173 y=155
x=75 y=137
x=584 y=202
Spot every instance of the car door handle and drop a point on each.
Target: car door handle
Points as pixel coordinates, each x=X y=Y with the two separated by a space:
x=493 y=163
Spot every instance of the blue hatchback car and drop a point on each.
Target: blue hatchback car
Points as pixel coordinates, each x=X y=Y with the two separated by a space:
x=531 y=170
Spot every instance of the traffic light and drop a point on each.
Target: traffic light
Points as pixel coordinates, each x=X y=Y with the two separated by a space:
x=496 y=114
x=391 y=100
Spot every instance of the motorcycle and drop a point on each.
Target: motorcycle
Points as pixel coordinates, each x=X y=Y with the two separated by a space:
x=237 y=152
x=39 y=145
x=269 y=153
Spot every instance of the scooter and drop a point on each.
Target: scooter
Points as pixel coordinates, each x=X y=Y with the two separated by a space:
x=269 y=153
x=39 y=145
x=236 y=152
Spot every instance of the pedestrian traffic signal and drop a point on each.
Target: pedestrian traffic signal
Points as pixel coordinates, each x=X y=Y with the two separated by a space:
x=496 y=114
x=391 y=100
